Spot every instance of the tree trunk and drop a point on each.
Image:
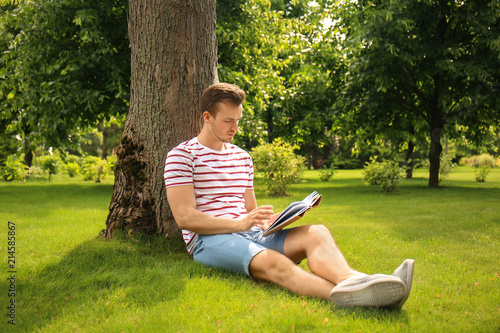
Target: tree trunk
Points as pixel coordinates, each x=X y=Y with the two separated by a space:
x=105 y=133
x=436 y=129
x=28 y=153
x=174 y=58
x=270 y=126
x=28 y=156
x=409 y=154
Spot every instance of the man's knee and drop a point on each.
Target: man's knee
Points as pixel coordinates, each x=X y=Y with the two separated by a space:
x=270 y=265
x=318 y=234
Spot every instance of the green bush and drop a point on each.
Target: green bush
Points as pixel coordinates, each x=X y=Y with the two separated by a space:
x=34 y=172
x=94 y=168
x=14 y=169
x=479 y=160
x=102 y=170
x=482 y=160
x=112 y=162
x=88 y=170
x=326 y=174
x=464 y=161
x=482 y=172
x=50 y=164
x=483 y=164
x=387 y=174
x=279 y=165
x=446 y=166
x=72 y=159
x=72 y=168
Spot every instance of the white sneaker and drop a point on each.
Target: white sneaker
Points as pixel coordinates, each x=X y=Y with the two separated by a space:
x=405 y=273
x=369 y=291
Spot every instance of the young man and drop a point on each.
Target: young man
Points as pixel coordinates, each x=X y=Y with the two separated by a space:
x=209 y=185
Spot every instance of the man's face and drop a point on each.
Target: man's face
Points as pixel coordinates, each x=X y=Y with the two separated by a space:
x=225 y=123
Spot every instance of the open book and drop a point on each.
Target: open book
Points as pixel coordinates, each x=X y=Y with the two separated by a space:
x=294 y=212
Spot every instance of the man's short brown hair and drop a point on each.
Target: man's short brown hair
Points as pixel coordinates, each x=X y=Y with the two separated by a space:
x=221 y=92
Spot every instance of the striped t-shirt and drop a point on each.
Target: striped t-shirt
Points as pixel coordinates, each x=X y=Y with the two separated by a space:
x=219 y=178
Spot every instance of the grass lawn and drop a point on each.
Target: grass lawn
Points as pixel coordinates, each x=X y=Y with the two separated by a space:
x=68 y=279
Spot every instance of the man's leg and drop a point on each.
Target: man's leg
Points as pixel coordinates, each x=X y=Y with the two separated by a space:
x=325 y=260
x=329 y=268
x=272 y=266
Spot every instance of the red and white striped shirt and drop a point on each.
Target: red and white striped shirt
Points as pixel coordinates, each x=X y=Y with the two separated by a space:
x=219 y=178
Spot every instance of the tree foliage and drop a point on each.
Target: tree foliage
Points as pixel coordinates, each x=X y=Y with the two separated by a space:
x=270 y=49
x=328 y=77
x=65 y=65
x=431 y=64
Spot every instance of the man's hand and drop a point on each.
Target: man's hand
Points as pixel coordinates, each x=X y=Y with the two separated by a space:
x=258 y=217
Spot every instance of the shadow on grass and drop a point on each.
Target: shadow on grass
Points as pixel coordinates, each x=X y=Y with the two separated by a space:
x=392 y=317
x=105 y=275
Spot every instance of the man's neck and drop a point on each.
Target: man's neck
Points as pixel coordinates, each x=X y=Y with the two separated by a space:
x=210 y=141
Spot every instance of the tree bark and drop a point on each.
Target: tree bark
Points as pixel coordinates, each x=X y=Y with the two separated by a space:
x=105 y=133
x=28 y=153
x=28 y=156
x=436 y=131
x=270 y=127
x=174 y=58
x=410 y=153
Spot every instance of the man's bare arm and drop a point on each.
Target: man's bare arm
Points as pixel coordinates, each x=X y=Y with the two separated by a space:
x=183 y=204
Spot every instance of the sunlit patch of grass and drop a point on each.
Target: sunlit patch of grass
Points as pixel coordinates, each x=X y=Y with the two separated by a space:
x=69 y=279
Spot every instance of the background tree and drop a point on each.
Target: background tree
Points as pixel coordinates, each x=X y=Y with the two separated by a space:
x=269 y=48
x=174 y=58
x=65 y=66
x=435 y=63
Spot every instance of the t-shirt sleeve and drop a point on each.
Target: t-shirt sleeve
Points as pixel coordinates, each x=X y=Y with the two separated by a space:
x=179 y=168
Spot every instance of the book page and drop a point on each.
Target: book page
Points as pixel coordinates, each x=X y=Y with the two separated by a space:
x=293 y=212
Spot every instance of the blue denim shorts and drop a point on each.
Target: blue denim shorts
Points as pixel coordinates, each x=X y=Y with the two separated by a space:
x=235 y=251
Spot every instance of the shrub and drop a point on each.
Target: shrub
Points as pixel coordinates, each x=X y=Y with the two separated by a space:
x=72 y=159
x=482 y=160
x=464 y=161
x=88 y=167
x=50 y=164
x=483 y=164
x=94 y=168
x=481 y=173
x=326 y=174
x=487 y=160
x=424 y=164
x=14 y=169
x=446 y=166
x=386 y=174
x=34 y=172
x=279 y=165
x=112 y=162
x=72 y=168
x=102 y=170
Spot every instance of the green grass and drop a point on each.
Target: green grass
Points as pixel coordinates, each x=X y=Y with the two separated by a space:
x=71 y=280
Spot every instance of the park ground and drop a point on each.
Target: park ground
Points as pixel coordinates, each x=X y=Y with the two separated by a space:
x=68 y=279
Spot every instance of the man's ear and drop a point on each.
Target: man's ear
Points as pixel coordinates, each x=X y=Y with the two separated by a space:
x=206 y=117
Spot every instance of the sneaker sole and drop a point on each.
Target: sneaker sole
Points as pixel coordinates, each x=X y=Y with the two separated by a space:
x=374 y=293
